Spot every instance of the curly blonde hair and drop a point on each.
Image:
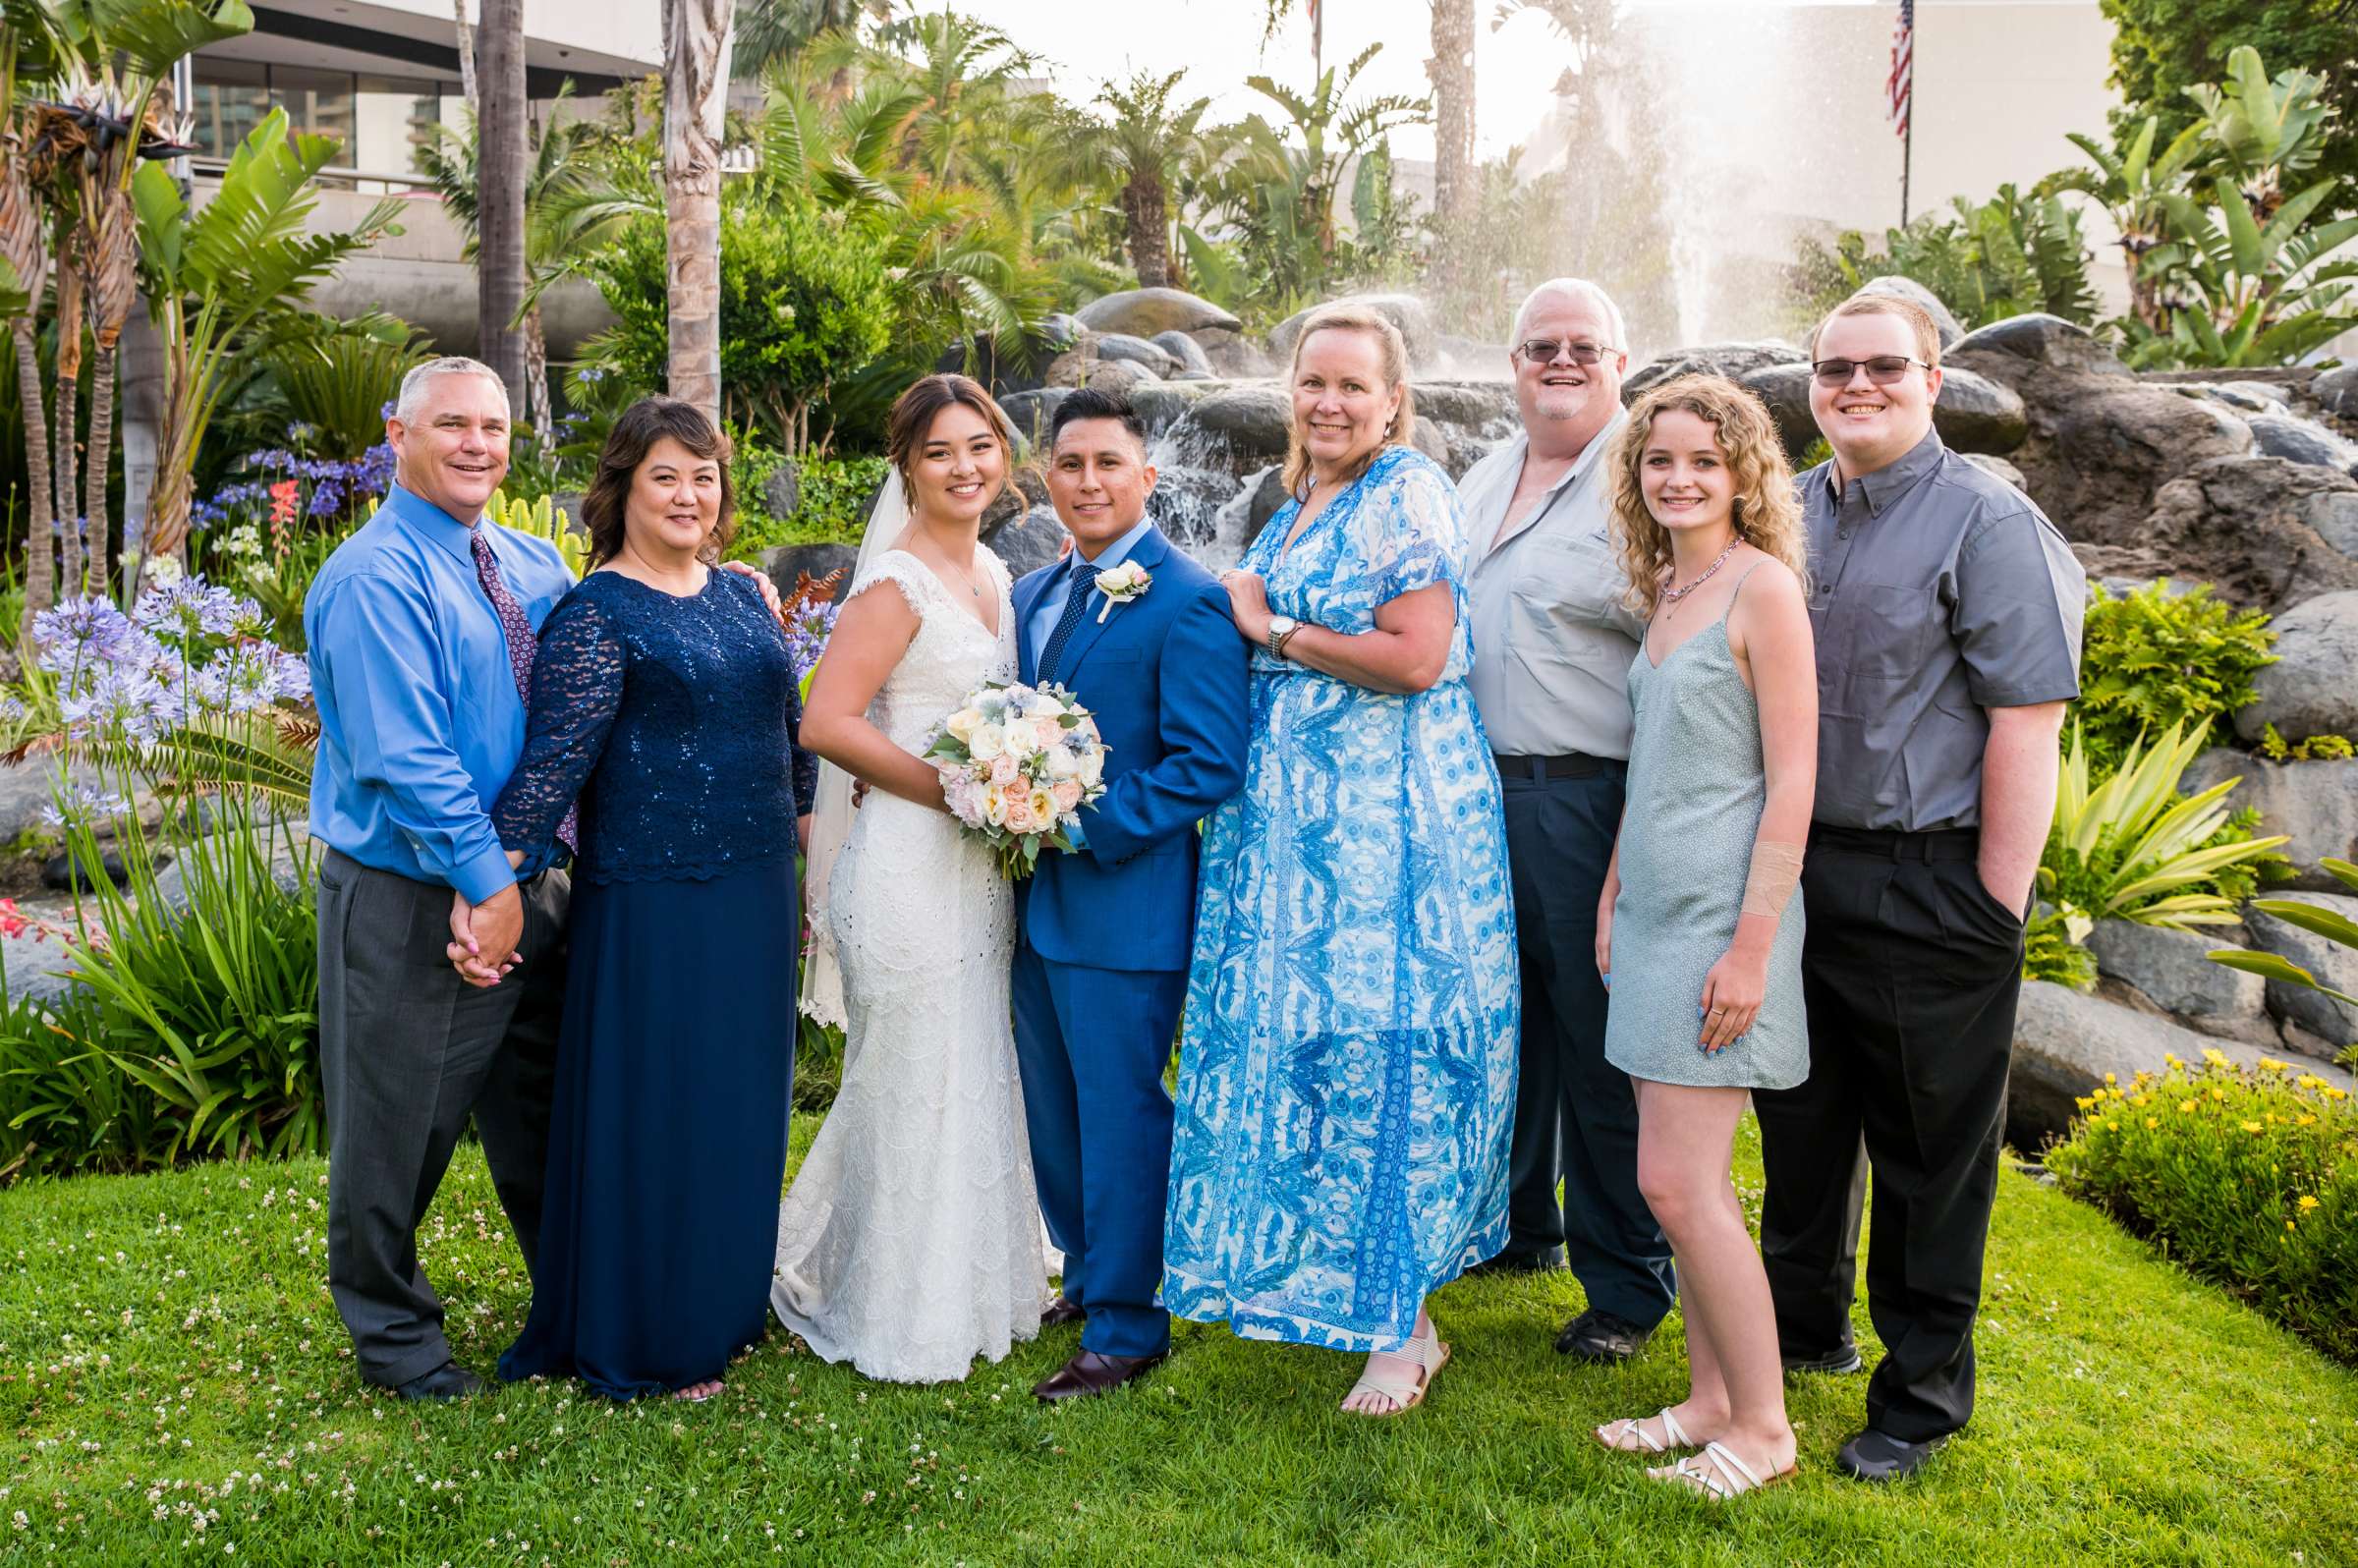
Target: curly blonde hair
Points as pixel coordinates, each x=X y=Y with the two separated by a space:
x=1767 y=510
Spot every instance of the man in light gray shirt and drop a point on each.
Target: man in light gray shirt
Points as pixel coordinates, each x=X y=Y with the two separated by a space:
x=1553 y=638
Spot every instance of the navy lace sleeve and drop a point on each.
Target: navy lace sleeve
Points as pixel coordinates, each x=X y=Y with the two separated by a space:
x=577 y=691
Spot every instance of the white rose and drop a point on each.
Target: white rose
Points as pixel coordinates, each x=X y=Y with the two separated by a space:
x=1042 y=706
x=962 y=723
x=995 y=805
x=1061 y=763
x=1093 y=767
x=985 y=742
x=1020 y=740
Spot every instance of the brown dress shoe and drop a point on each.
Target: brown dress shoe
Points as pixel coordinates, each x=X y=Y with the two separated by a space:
x=1092 y=1373
x=1061 y=1310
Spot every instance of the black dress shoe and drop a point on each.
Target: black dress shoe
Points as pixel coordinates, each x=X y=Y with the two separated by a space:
x=1597 y=1335
x=1878 y=1456
x=1842 y=1359
x=1061 y=1310
x=1092 y=1373
x=1514 y=1262
x=450 y=1380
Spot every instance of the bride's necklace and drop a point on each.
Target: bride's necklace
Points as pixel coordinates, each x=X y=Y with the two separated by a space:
x=1671 y=596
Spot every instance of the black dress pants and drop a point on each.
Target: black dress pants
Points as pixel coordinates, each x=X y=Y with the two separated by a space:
x=1576 y=1115
x=1911 y=973
x=408 y=1051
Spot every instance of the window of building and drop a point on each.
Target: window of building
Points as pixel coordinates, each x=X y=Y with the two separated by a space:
x=232 y=96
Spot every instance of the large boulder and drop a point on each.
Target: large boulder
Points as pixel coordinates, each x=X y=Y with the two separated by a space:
x=37 y=963
x=2313 y=687
x=1143 y=313
x=2239 y=522
x=1186 y=353
x=2173 y=971
x=1030 y=412
x=2333 y=514
x=2042 y=339
x=1943 y=318
x=1138 y=351
x=2336 y=391
x=1252 y=419
x=1406 y=312
x=1078 y=368
x=2299 y=440
x=1734 y=361
x=1027 y=541
x=2328 y=961
x=785 y=563
x=1973 y=414
x=2065 y=1042
x=1232 y=353
x=28 y=788
x=1989 y=464
x=2315 y=804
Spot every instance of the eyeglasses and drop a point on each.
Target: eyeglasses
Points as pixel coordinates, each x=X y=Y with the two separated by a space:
x=1884 y=369
x=1543 y=351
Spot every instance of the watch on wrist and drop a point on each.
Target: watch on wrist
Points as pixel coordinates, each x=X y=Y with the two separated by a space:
x=1281 y=628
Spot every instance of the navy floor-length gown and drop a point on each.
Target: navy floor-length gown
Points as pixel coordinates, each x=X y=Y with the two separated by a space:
x=672 y=719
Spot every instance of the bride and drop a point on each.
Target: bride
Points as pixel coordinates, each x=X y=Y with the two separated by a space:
x=911 y=1237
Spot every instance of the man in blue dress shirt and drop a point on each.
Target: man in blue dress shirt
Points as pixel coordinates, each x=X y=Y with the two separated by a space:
x=420 y=688
x=1103 y=934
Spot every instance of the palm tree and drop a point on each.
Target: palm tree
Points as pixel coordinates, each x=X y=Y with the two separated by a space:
x=499 y=196
x=24 y=41
x=1452 y=73
x=1147 y=145
x=693 y=33
x=770 y=32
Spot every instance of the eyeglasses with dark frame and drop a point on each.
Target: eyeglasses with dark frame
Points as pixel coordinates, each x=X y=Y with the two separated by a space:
x=1543 y=351
x=1884 y=369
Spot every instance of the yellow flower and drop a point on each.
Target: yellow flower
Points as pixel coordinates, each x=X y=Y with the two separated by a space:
x=2218 y=1093
x=2186 y=1105
x=2289 y=1225
x=2110 y=1079
x=2214 y=1056
x=2308 y=1202
x=2171 y=1058
x=2152 y=1121
x=2251 y=1127
x=2270 y=1064
x=2304 y=1120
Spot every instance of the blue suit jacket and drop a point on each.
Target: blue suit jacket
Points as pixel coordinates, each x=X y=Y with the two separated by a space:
x=1165 y=676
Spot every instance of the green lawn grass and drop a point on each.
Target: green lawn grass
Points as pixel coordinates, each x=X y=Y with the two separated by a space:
x=176 y=1388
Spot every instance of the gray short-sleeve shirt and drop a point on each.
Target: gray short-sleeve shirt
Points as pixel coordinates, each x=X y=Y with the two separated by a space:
x=1937 y=591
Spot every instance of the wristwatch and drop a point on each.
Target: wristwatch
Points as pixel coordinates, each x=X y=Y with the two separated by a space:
x=1281 y=627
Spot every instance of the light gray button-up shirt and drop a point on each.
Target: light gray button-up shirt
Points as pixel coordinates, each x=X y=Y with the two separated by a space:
x=1937 y=591
x=1552 y=636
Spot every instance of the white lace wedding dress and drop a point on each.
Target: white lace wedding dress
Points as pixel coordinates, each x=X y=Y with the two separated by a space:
x=911 y=1238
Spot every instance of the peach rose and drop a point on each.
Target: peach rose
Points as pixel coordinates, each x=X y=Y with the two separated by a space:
x=1003 y=770
x=1066 y=795
x=1019 y=813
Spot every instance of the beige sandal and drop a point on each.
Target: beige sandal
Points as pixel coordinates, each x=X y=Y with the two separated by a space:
x=1718 y=1474
x=1618 y=1435
x=1431 y=1355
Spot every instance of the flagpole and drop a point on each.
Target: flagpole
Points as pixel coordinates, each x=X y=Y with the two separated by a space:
x=1317 y=41
x=1907 y=158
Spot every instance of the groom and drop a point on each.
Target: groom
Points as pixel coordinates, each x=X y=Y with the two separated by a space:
x=1104 y=934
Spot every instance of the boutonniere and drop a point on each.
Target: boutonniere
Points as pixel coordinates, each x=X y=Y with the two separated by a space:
x=1122 y=584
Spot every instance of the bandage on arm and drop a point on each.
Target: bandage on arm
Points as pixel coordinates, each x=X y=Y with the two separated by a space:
x=1776 y=873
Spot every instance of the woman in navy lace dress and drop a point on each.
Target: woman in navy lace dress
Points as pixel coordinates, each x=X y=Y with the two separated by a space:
x=664 y=700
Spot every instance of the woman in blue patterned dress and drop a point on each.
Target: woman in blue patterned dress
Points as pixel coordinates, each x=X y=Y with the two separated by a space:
x=1347 y=1068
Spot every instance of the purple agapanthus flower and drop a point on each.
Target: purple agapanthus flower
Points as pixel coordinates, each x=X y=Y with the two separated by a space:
x=121 y=701
x=79 y=635
x=83 y=804
x=807 y=629
x=190 y=610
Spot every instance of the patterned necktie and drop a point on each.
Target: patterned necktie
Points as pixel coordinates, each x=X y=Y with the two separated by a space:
x=1084 y=579
x=522 y=646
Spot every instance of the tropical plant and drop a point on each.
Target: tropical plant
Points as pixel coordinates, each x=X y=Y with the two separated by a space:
x=1986 y=261
x=1145 y=144
x=336 y=376
x=2128 y=846
x=212 y=277
x=543 y=521
x=2130 y=180
x=2161 y=656
x=695 y=81
x=29 y=52
x=770 y=32
x=2335 y=927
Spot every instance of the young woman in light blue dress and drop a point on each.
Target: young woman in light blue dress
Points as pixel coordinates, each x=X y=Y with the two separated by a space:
x=1347 y=1070
x=1700 y=930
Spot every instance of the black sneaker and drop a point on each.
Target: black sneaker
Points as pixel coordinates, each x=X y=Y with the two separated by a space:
x=1877 y=1456
x=1835 y=1363
x=1599 y=1336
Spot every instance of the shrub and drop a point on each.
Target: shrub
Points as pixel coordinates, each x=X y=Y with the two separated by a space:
x=2246 y=1178
x=2154 y=659
x=832 y=506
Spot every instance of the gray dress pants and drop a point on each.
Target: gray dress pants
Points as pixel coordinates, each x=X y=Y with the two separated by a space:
x=408 y=1051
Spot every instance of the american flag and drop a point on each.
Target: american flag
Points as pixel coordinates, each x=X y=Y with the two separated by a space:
x=1903 y=67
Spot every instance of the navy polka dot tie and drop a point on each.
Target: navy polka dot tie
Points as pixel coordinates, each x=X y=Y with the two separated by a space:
x=522 y=646
x=1075 y=602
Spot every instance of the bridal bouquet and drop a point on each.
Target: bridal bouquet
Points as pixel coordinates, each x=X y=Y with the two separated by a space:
x=1017 y=764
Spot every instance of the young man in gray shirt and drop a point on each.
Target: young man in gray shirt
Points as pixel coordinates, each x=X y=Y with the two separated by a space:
x=1946 y=609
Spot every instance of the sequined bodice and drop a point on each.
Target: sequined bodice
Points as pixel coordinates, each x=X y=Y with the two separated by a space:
x=673 y=719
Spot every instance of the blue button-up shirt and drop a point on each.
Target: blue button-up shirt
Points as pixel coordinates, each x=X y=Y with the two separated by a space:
x=1044 y=614
x=419 y=720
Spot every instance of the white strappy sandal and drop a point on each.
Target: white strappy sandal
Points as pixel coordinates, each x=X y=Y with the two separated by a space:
x=1718 y=1474
x=1617 y=1434
x=1430 y=1354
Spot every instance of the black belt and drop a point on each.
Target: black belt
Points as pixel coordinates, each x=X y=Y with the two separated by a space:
x=1572 y=764
x=1890 y=844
